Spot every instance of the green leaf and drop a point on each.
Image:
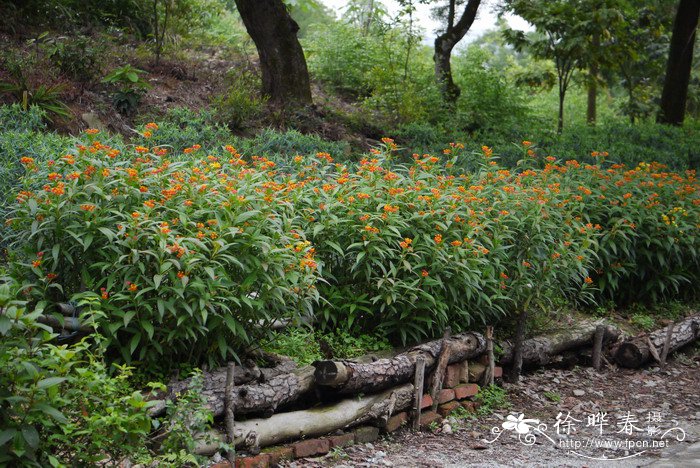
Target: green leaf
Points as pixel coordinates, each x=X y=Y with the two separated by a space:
x=146 y=325
x=50 y=382
x=7 y=435
x=31 y=436
x=51 y=411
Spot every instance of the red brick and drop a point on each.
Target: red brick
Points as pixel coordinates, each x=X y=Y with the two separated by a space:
x=308 y=448
x=396 y=421
x=497 y=372
x=445 y=395
x=366 y=434
x=223 y=464
x=342 y=440
x=451 y=376
x=466 y=390
x=428 y=417
x=447 y=408
x=278 y=454
x=469 y=405
x=464 y=371
x=426 y=402
x=259 y=461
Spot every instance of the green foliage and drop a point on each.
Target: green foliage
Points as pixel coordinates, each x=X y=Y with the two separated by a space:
x=241 y=102
x=79 y=57
x=186 y=419
x=181 y=128
x=491 y=399
x=343 y=345
x=58 y=404
x=285 y=145
x=298 y=343
x=180 y=263
x=553 y=396
x=130 y=88
x=643 y=321
x=14 y=118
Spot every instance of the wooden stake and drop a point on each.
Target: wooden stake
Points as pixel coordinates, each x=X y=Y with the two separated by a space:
x=228 y=412
x=418 y=389
x=598 y=346
x=667 y=344
x=439 y=372
x=489 y=351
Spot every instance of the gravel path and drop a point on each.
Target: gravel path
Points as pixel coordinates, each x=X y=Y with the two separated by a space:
x=633 y=401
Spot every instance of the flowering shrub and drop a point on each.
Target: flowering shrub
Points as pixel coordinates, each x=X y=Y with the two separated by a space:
x=186 y=257
x=193 y=255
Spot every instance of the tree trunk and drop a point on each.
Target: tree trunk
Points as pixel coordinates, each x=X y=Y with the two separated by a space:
x=680 y=58
x=542 y=350
x=636 y=352
x=347 y=377
x=285 y=77
x=591 y=110
x=316 y=421
x=560 y=120
x=444 y=43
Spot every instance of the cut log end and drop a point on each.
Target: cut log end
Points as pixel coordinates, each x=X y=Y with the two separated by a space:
x=629 y=355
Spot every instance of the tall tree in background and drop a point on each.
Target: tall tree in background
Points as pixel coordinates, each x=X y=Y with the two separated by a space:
x=448 y=39
x=680 y=60
x=285 y=77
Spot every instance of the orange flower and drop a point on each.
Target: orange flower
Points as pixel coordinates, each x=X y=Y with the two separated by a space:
x=406 y=243
x=92 y=131
x=51 y=276
x=133 y=287
x=152 y=126
x=527 y=143
x=149 y=203
x=87 y=207
x=147 y=134
x=181 y=274
x=588 y=280
x=135 y=214
x=424 y=273
x=627 y=195
x=527 y=264
x=437 y=238
x=104 y=294
x=456 y=243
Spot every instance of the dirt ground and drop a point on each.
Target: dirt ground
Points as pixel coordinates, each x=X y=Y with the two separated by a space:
x=646 y=411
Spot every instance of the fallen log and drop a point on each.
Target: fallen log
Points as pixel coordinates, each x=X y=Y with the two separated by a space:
x=250 y=398
x=542 y=350
x=639 y=350
x=313 y=422
x=350 y=377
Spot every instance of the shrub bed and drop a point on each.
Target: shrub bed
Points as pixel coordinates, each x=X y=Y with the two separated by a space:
x=192 y=259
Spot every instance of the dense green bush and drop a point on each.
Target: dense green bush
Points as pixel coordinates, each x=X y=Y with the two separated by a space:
x=287 y=144
x=59 y=406
x=188 y=257
x=181 y=128
x=14 y=118
x=193 y=254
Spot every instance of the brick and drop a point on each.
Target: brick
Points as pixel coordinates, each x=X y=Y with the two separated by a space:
x=342 y=440
x=483 y=359
x=447 y=408
x=428 y=417
x=466 y=390
x=476 y=371
x=464 y=371
x=259 y=461
x=308 y=448
x=497 y=372
x=366 y=434
x=278 y=454
x=426 y=402
x=223 y=464
x=469 y=405
x=451 y=378
x=396 y=421
x=445 y=395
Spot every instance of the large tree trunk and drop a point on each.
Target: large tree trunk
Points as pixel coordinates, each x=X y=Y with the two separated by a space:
x=445 y=43
x=347 y=377
x=636 y=352
x=285 y=77
x=316 y=421
x=680 y=58
x=542 y=350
